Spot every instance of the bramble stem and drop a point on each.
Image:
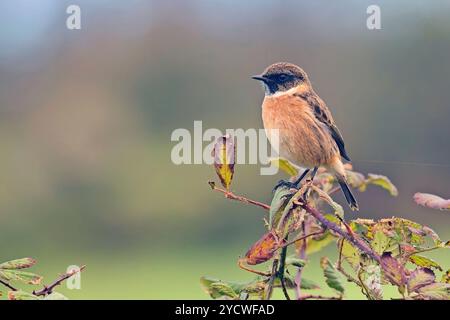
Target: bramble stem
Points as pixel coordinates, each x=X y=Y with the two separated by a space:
x=349 y=237
x=318 y=297
x=232 y=196
x=49 y=289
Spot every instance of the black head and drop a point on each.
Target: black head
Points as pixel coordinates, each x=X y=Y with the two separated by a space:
x=282 y=76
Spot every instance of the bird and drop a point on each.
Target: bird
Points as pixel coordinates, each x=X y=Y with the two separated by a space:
x=307 y=135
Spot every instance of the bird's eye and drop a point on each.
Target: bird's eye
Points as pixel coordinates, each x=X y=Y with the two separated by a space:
x=283 y=77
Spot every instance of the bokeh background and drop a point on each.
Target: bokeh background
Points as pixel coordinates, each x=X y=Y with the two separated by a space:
x=86 y=118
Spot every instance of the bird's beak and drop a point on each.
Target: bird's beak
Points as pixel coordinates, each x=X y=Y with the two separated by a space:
x=260 y=78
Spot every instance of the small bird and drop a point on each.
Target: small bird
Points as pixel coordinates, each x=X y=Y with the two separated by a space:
x=307 y=134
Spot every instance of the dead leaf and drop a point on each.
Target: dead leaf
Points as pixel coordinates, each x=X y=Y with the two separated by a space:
x=431 y=201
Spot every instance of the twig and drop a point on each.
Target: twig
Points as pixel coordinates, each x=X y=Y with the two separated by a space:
x=6 y=284
x=281 y=270
x=303 y=238
x=302 y=255
x=269 y=287
x=49 y=289
x=319 y=297
x=232 y=196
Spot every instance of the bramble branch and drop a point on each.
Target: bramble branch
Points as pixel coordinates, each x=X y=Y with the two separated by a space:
x=347 y=236
x=49 y=289
x=232 y=196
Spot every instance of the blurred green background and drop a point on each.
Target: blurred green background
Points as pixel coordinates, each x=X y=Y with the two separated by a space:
x=86 y=118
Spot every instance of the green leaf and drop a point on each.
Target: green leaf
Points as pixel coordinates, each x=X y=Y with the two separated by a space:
x=380 y=242
x=224 y=153
x=381 y=181
x=436 y=291
x=284 y=165
x=18 y=263
x=308 y=284
x=55 y=296
x=21 y=295
x=332 y=277
x=420 y=278
x=351 y=254
x=422 y=261
x=216 y=288
x=280 y=199
x=15 y=275
x=296 y=262
x=290 y=283
x=222 y=289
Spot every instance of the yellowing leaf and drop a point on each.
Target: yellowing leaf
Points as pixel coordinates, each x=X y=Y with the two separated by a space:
x=425 y=262
x=16 y=275
x=446 y=276
x=263 y=249
x=284 y=165
x=420 y=278
x=380 y=242
x=350 y=254
x=21 y=295
x=436 y=291
x=224 y=153
x=381 y=181
x=18 y=263
x=432 y=201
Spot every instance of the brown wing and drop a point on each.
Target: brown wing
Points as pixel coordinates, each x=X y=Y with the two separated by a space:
x=324 y=115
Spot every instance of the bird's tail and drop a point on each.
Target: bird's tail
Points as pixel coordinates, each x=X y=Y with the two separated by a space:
x=353 y=204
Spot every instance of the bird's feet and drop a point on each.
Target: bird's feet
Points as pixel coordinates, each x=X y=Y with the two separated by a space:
x=286 y=184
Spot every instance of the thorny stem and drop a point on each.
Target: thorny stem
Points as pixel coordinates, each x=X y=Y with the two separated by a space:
x=6 y=284
x=360 y=244
x=319 y=297
x=49 y=289
x=232 y=196
x=303 y=238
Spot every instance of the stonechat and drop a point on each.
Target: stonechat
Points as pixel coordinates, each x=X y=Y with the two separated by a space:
x=307 y=134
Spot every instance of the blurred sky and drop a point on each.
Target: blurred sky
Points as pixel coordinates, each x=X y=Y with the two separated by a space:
x=86 y=118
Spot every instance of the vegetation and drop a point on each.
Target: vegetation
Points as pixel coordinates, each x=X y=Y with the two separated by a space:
x=12 y=271
x=371 y=254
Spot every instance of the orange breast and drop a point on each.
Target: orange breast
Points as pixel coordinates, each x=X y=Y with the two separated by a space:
x=303 y=140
